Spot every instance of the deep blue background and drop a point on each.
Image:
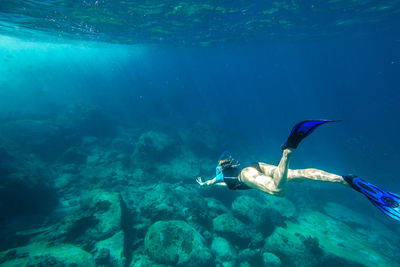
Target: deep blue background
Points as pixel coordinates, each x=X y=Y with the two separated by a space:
x=252 y=94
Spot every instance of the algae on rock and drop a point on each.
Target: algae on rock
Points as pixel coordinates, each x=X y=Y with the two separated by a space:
x=46 y=254
x=176 y=243
x=316 y=237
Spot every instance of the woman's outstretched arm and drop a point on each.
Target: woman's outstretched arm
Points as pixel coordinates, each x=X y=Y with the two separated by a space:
x=212 y=181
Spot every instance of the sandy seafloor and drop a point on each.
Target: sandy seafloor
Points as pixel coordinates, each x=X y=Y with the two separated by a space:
x=101 y=143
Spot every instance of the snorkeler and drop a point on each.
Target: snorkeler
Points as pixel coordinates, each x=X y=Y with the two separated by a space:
x=272 y=179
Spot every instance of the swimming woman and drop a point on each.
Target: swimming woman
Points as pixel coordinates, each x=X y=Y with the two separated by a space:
x=272 y=179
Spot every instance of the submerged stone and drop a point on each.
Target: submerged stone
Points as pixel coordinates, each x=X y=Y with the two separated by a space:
x=229 y=226
x=263 y=211
x=271 y=260
x=176 y=243
x=316 y=239
x=46 y=254
x=153 y=145
x=222 y=249
x=110 y=252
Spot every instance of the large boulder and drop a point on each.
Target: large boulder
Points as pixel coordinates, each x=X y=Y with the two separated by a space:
x=261 y=207
x=141 y=260
x=37 y=136
x=250 y=210
x=236 y=231
x=46 y=254
x=263 y=211
x=223 y=250
x=105 y=210
x=154 y=145
x=110 y=252
x=183 y=167
x=95 y=217
x=231 y=227
x=271 y=260
x=202 y=139
x=165 y=201
x=26 y=186
x=176 y=243
x=79 y=120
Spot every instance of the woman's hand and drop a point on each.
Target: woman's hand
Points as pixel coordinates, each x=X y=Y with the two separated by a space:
x=200 y=182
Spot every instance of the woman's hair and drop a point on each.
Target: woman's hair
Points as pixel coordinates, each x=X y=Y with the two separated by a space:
x=227 y=161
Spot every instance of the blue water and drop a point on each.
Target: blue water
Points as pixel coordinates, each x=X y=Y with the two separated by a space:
x=247 y=77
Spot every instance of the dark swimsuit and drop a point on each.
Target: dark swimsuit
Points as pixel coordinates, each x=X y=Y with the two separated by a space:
x=231 y=177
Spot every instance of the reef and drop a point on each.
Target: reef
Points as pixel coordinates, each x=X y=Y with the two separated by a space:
x=128 y=197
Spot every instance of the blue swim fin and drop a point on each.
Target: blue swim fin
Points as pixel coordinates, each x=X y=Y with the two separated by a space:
x=300 y=131
x=386 y=201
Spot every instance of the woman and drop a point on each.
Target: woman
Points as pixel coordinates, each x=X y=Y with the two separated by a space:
x=272 y=179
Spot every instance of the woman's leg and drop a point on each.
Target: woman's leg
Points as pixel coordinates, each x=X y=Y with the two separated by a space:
x=272 y=179
x=280 y=174
x=314 y=174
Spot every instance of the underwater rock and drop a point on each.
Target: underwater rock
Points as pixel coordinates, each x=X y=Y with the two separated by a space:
x=345 y=214
x=8 y=163
x=65 y=181
x=37 y=136
x=263 y=211
x=74 y=155
x=317 y=238
x=230 y=227
x=280 y=204
x=26 y=186
x=250 y=210
x=154 y=145
x=106 y=209
x=381 y=234
x=176 y=243
x=223 y=249
x=99 y=217
x=79 y=120
x=165 y=201
x=122 y=146
x=140 y=260
x=183 y=167
x=271 y=260
x=95 y=223
x=202 y=139
x=214 y=207
x=46 y=254
x=293 y=246
x=251 y=256
x=110 y=252
x=95 y=217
